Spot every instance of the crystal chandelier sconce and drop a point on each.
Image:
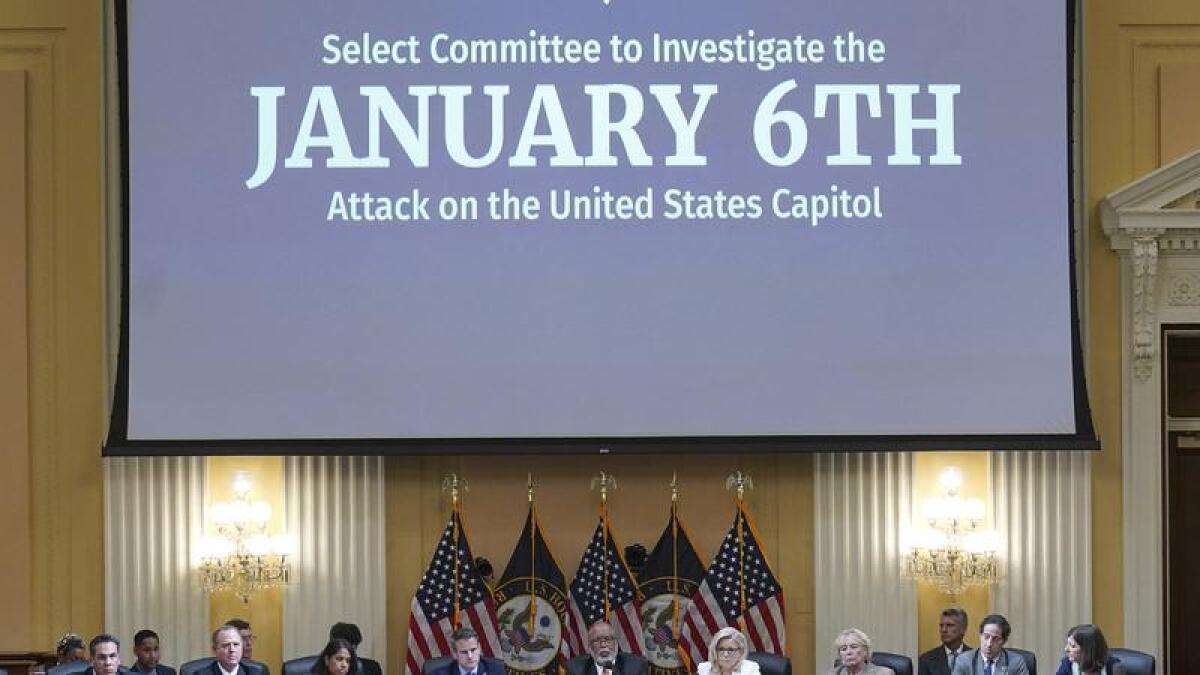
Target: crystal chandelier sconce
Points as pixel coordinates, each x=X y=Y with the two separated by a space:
x=954 y=552
x=242 y=558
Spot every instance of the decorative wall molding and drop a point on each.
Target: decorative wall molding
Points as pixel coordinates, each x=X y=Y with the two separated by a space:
x=1043 y=506
x=862 y=505
x=334 y=507
x=1183 y=289
x=1144 y=220
x=153 y=517
x=1144 y=253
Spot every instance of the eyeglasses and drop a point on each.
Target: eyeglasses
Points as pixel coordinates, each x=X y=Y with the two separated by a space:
x=603 y=640
x=728 y=650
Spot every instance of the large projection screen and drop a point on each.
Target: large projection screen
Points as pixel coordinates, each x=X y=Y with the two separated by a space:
x=597 y=225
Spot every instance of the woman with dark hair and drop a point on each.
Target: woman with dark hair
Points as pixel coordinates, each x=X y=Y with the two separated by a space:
x=1087 y=653
x=70 y=648
x=338 y=658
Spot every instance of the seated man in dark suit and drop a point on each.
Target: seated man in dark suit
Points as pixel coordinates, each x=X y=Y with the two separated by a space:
x=105 y=653
x=951 y=627
x=145 y=646
x=243 y=627
x=991 y=658
x=227 y=648
x=603 y=657
x=350 y=633
x=468 y=659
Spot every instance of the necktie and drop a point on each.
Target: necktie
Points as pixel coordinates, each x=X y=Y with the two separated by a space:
x=987 y=668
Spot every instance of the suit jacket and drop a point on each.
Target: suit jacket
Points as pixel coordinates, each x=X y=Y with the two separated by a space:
x=487 y=666
x=872 y=669
x=625 y=664
x=160 y=669
x=1112 y=666
x=971 y=663
x=246 y=667
x=748 y=667
x=933 y=662
x=372 y=667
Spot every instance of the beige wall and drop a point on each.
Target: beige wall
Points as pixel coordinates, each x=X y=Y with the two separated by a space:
x=15 y=494
x=1131 y=50
x=54 y=352
x=53 y=461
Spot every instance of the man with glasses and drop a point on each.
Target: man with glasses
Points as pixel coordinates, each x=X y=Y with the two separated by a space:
x=604 y=657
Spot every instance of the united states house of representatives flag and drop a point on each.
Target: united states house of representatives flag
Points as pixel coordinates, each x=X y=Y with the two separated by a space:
x=740 y=590
x=603 y=574
x=451 y=576
x=672 y=574
x=532 y=605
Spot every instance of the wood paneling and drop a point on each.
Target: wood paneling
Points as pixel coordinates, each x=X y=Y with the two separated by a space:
x=58 y=47
x=16 y=526
x=1183 y=538
x=1179 y=84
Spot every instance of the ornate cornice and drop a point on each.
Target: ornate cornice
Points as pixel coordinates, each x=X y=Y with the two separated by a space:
x=1156 y=213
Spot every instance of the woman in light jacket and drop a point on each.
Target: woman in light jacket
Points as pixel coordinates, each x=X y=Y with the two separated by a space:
x=727 y=655
x=854 y=655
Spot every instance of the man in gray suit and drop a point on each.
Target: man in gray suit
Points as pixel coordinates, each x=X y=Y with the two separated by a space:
x=991 y=658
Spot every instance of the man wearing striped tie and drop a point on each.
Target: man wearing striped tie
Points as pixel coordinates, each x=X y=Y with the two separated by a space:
x=604 y=657
x=991 y=658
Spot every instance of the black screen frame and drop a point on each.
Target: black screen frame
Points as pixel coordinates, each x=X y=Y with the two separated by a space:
x=119 y=444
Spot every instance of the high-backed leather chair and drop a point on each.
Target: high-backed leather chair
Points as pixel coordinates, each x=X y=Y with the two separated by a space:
x=899 y=663
x=196 y=665
x=771 y=664
x=1133 y=661
x=305 y=665
x=1030 y=659
x=433 y=664
x=68 y=668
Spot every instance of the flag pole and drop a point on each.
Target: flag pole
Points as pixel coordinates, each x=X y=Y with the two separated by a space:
x=605 y=481
x=532 y=555
x=676 y=620
x=741 y=481
x=453 y=483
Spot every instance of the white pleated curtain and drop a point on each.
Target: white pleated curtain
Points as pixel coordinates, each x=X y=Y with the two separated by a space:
x=335 y=512
x=862 y=504
x=1043 y=506
x=154 y=516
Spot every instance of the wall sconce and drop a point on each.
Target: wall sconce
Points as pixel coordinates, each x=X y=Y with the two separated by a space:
x=954 y=553
x=242 y=558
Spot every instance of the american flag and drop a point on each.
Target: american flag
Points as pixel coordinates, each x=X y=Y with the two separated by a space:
x=433 y=606
x=603 y=568
x=738 y=578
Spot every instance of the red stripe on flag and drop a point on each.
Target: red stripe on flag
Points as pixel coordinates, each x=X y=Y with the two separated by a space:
x=630 y=627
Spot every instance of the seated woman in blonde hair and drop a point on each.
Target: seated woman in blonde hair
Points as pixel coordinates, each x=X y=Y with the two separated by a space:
x=727 y=655
x=854 y=655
